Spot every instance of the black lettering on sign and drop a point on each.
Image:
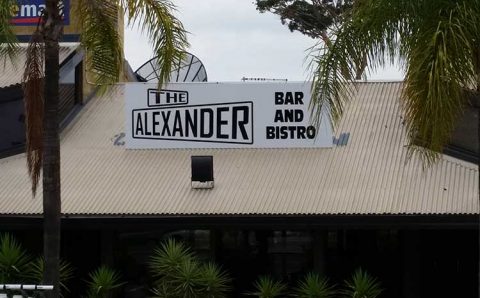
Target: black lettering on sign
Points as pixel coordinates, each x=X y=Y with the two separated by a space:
x=221 y=122
x=288 y=98
x=139 y=125
x=288 y=115
x=290 y=132
x=311 y=132
x=145 y=118
x=177 y=125
x=279 y=98
x=166 y=128
x=270 y=132
x=156 y=122
x=206 y=128
x=217 y=123
x=298 y=98
x=191 y=123
x=241 y=124
x=166 y=97
x=301 y=132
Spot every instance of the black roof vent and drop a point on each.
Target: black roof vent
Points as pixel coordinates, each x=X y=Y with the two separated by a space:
x=202 y=171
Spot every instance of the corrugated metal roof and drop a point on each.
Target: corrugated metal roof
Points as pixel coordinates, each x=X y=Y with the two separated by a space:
x=369 y=175
x=12 y=71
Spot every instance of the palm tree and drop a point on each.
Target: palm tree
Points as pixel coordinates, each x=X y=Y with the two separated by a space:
x=101 y=40
x=438 y=43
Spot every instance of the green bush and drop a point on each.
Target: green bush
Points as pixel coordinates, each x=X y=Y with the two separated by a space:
x=362 y=285
x=14 y=260
x=266 y=287
x=314 y=286
x=179 y=273
x=37 y=268
x=103 y=282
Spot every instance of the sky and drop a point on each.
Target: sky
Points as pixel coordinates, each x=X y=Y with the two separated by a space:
x=234 y=40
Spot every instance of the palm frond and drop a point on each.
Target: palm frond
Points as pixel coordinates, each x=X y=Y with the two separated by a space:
x=370 y=33
x=8 y=40
x=164 y=30
x=331 y=88
x=435 y=40
x=440 y=71
x=33 y=86
x=101 y=40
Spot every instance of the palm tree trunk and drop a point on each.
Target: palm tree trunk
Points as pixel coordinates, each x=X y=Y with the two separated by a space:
x=477 y=99
x=51 y=153
x=476 y=103
x=51 y=168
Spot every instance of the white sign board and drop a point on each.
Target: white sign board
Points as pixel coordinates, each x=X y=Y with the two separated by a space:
x=222 y=115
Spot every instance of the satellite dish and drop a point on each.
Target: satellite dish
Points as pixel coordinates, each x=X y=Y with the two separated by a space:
x=191 y=69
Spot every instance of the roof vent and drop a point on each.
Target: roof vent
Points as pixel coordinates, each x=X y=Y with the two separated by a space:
x=202 y=171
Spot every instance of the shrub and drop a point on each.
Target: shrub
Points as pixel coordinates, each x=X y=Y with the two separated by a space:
x=179 y=273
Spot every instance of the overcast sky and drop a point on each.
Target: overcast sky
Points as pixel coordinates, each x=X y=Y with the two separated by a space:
x=233 y=40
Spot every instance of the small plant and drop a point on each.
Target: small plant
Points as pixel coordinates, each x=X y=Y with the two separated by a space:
x=174 y=269
x=179 y=273
x=14 y=260
x=362 y=285
x=103 y=282
x=266 y=287
x=314 y=286
x=37 y=268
